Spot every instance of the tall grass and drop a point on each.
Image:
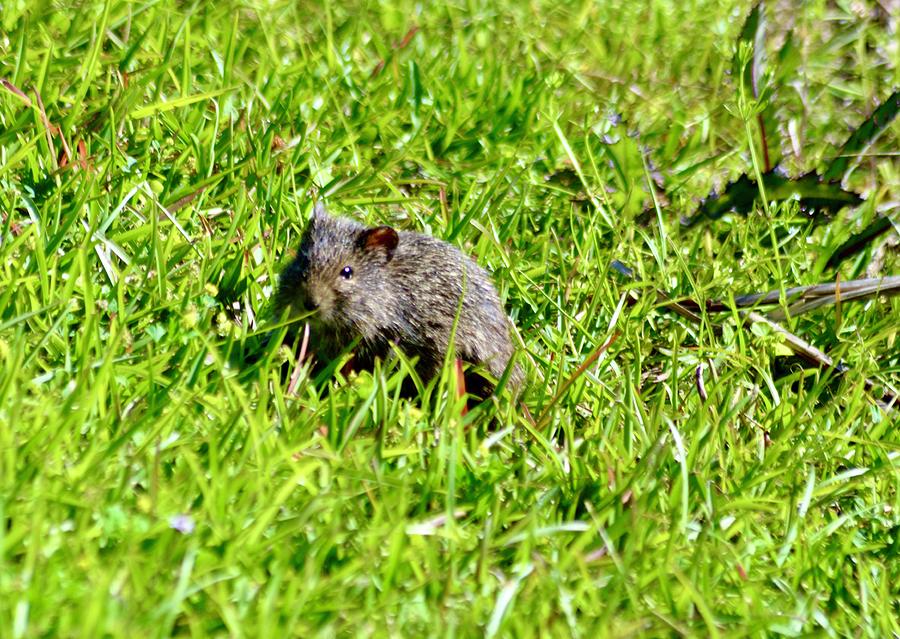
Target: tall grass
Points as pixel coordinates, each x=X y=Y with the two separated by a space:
x=157 y=164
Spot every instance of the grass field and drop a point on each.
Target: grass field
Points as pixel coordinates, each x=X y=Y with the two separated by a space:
x=158 y=160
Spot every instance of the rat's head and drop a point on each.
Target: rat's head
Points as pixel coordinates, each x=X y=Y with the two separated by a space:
x=339 y=272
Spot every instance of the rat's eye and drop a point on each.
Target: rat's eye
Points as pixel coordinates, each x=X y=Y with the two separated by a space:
x=347 y=272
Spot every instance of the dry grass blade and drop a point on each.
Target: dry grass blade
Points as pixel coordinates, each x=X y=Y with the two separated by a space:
x=545 y=414
x=811 y=297
x=12 y=88
x=802 y=298
x=818 y=358
x=826 y=294
x=298 y=367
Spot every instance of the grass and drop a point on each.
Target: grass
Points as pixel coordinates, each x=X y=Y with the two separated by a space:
x=156 y=478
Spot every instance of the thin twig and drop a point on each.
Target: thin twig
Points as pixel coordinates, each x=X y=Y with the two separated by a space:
x=545 y=415
x=295 y=376
x=12 y=88
x=819 y=358
x=50 y=128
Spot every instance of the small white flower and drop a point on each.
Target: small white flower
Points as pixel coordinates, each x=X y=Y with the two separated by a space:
x=182 y=523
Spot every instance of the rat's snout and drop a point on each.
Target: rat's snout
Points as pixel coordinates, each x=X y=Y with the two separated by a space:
x=318 y=299
x=308 y=304
x=303 y=299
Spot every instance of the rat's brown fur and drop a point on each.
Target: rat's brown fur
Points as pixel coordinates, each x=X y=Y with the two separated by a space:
x=404 y=289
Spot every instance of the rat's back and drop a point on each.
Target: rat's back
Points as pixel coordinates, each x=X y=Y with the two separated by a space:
x=431 y=275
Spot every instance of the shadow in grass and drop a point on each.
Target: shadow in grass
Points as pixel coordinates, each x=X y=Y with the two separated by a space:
x=258 y=353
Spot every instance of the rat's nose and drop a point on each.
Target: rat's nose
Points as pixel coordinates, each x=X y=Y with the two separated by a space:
x=309 y=305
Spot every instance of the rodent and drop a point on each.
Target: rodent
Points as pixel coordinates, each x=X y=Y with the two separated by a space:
x=380 y=286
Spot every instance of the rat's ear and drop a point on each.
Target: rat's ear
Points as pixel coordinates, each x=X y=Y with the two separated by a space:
x=380 y=237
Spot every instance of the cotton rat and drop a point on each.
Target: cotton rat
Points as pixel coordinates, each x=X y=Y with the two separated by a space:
x=378 y=286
